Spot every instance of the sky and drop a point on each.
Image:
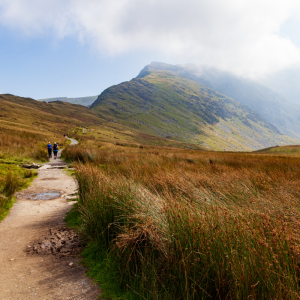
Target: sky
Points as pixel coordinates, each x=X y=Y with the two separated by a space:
x=75 y=48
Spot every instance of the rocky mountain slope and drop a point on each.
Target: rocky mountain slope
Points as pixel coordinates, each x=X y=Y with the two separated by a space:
x=270 y=105
x=168 y=104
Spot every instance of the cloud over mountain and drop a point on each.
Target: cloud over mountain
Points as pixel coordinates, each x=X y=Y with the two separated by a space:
x=242 y=36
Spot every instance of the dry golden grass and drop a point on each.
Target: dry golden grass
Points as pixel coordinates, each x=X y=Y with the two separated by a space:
x=22 y=144
x=194 y=225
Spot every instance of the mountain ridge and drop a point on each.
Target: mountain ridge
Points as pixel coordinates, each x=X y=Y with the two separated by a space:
x=270 y=105
x=166 y=104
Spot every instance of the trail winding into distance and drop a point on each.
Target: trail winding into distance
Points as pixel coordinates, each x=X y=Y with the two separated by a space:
x=24 y=276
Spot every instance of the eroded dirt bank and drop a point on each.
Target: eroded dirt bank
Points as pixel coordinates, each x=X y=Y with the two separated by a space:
x=34 y=223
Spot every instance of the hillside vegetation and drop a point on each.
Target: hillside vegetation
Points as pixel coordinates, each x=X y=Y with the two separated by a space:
x=180 y=224
x=58 y=118
x=164 y=104
x=271 y=106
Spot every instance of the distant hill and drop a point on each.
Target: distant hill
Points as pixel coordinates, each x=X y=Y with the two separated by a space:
x=32 y=115
x=85 y=101
x=270 y=105
x=290 y=150
x=164 y=102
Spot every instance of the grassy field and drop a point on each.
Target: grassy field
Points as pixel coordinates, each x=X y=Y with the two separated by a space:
x=168 y=223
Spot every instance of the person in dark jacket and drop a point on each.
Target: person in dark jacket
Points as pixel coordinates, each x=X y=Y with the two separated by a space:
x=55 y=150
x=49 y=149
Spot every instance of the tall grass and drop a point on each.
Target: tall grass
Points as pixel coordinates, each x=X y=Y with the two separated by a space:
x=11 y=184
x=8 y=186
x=24 y=144
x=194 y=225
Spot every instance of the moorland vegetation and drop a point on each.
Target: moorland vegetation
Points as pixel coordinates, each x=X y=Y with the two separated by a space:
x=17 y=147
x=183 y=224
x=27 y=125
x=167 y=223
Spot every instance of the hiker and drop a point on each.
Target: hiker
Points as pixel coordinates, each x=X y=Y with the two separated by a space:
x=55 y=150
x=49 y=149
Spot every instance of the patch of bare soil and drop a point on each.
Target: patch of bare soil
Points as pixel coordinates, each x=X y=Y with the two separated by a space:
x=59 y=242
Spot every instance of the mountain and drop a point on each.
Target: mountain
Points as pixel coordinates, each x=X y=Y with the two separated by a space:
x=85 y=101
x=170 y=102
x=270 y=105
x=25 y=115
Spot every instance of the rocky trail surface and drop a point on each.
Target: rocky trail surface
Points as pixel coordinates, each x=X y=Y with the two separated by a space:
x=37 y=252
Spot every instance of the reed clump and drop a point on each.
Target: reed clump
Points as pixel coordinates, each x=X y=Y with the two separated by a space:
x=182 y=224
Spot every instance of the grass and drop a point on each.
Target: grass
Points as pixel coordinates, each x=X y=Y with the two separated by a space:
x=18 y=146
x=12 y=179
x=5 y=205
x=99 y=267
x=178 y=224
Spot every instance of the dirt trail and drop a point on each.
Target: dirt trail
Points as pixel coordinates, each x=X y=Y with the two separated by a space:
x=24 y=275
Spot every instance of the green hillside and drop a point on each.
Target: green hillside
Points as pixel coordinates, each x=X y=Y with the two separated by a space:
x=167 y=105
x=271 y=106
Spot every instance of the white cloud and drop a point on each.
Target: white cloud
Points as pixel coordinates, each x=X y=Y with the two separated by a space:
x=237 y=35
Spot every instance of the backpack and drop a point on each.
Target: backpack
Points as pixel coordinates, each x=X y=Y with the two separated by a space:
x=55 y=147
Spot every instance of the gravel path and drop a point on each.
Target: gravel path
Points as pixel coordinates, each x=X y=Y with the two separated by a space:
x=73 y=142
x=24 y=275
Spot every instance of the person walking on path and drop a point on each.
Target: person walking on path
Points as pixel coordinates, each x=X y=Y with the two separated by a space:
x=49 y=149
x=55 y=150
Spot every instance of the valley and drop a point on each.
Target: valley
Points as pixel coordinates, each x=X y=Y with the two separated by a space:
x=171 y=176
